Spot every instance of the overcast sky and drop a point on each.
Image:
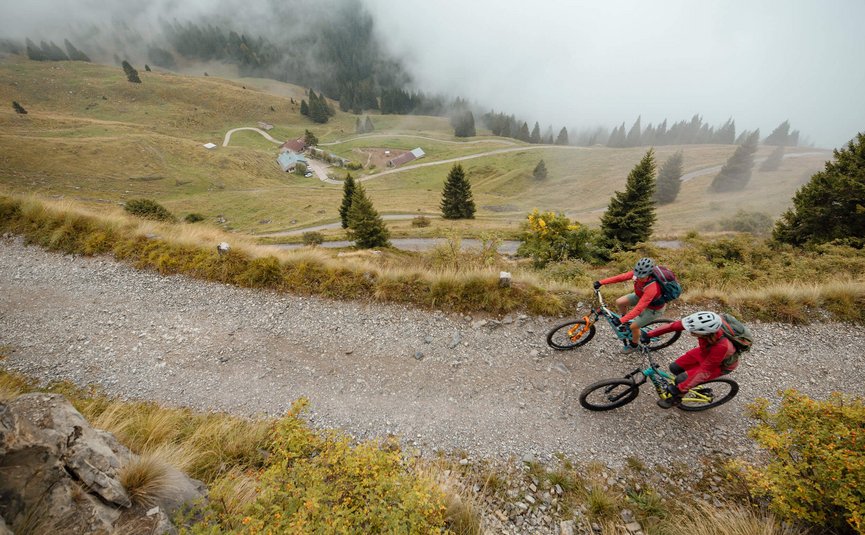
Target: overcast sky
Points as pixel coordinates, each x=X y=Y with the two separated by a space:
x=602 y=62
x=582 y=64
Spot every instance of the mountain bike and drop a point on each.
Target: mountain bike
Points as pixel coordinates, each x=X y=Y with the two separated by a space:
x=575 y=333
x=612 y=393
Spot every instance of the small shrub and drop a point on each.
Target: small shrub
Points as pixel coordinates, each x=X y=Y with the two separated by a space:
x=313 y=238
x=420 y=221
x=750 y=222
x=146 y=480
x=550 y=237
x=148 y=209
x=193 y=218
x=816 y=471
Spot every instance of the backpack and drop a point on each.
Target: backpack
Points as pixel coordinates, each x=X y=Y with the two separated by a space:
x=739 y=335
x=670 y=287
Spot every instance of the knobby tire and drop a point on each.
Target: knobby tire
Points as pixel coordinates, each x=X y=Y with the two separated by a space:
x=610 y=394
x=723 y=391
x=557 y=337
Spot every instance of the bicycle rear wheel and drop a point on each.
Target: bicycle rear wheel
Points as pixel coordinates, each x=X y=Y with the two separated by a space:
x=709 y=394
x=665 y=339
x=570 y=335
x=608 y=394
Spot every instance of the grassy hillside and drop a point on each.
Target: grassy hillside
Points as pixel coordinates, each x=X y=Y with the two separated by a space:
x=92 y=136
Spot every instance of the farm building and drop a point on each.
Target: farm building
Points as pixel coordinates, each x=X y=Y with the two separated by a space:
x=294 y=145
x=406 y=157
x=288 y=161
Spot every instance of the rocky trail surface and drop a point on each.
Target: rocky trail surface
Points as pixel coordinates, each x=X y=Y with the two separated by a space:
x=487 y=386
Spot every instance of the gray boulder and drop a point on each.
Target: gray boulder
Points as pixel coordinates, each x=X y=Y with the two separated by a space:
x=61 y=476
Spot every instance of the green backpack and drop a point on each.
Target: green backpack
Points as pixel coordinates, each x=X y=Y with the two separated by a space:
x=739 y=335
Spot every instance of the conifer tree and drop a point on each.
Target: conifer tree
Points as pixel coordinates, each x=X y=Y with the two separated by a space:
x=736 y=173
x=74 y=53
x=131 y=73
x=630 y=215
x=524 y=133
x=617 y=137
x=535 y=136
x=347 y=191
x=147 y=67
x=562 y=139
x=304 y=108
x=34 y=52
x=19 y=109
x=832 y=205
x=633 y=138
x=779 y=136
x=309 y=138
x=669 y=179
x=540 y=172
x=773 y=161
x=358 y=126
x=457 y=201
x=365 y=227
x=367 y=125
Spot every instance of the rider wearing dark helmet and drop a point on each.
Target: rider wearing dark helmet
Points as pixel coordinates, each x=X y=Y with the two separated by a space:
x=645 y=302
x=703 y=363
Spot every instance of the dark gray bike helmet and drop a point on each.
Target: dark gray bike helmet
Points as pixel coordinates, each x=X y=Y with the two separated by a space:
x=704 y=322
x=643 y=268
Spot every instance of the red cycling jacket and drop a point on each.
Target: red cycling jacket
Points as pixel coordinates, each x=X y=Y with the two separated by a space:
x=647 y=290
x=703 y=363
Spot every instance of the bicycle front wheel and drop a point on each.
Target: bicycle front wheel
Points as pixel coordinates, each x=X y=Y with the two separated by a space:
x=665 y=339
x=608 y=394
x=709 y=394
x=570 y=335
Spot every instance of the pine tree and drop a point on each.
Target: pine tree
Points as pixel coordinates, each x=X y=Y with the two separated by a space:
x=633 y=139
x=463 y=123
x=736 y=173
x=523 y=134
x=457 y=201
x=773 y=161
x=131 y=73
x=832 y=205
x=368 y=126
x=535 y=136
x=617 y=137
x=365 y=227
x=630 y=215
x=347 y=191
x=358 y=126
x=34 y=52
x=309 y=138
x=779 y=136
x=540 y=172
x=74 y=53
x=562 y=139
x=669 y=179
x=304 y=108
x=147 y=67
x=18 y=108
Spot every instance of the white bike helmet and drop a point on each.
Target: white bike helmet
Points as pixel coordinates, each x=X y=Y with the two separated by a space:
x=702 y=323
x=643 y=267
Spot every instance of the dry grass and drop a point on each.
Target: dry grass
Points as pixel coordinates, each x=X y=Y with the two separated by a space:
x=731 y=519
x=147 y=479
x=461 y=515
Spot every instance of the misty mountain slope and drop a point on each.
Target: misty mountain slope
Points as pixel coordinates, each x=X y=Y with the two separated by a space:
x=91 y=135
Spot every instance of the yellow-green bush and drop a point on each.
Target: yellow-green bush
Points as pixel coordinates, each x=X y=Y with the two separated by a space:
x=816 y=470
x=320 y=483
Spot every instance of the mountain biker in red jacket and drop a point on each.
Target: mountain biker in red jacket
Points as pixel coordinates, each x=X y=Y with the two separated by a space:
x=703 y=363
x=645 y=302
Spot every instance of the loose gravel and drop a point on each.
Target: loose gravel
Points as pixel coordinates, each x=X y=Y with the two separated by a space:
x=489 y=387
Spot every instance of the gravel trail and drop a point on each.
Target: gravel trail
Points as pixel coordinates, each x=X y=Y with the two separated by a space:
x=487 y=386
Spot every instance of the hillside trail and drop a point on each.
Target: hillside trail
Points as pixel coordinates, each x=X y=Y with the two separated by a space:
x=487 y=387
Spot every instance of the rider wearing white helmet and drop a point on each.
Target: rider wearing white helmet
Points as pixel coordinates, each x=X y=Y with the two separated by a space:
x=702 y=363
x=645 y=301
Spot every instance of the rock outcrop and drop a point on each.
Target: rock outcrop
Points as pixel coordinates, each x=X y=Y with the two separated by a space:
x=60 y=475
